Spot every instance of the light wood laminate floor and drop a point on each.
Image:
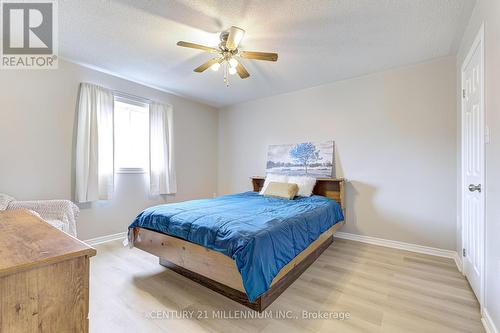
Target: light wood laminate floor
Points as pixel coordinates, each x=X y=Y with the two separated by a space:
x=382 y=289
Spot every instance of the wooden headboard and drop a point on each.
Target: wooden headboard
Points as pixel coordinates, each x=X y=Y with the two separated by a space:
x=332 y=188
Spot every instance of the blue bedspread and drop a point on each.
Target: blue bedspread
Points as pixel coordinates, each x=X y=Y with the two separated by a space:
x=261 y=234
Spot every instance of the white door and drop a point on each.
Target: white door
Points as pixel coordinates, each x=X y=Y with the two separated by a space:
x=473 y=166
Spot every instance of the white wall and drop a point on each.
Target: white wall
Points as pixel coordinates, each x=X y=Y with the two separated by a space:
x=37 y=119
x=395 y=134
x=488 y=11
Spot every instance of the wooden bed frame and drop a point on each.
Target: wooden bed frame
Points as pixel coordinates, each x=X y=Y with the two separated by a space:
x=218 y=272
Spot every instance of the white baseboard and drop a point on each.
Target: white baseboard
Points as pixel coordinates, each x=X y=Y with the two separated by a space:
x=399 y=245
x=360 y=238
x=458 y=262
x=488 y=323
x=105 y=239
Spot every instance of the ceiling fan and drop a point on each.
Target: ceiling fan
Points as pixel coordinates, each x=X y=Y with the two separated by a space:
x=228 y=53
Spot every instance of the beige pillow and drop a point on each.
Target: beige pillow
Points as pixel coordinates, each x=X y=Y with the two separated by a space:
x=281 y=190
x=273 y=177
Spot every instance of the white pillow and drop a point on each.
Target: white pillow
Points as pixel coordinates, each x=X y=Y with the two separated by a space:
x=305 y=183
x=273 y=177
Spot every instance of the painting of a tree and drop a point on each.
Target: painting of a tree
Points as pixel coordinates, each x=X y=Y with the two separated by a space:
x=305 y=154
x=315 y=159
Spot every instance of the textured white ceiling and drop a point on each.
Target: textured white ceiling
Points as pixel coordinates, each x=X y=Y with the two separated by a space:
x=318 y=41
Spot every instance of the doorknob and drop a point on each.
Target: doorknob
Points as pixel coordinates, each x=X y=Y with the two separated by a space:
x=473 y=187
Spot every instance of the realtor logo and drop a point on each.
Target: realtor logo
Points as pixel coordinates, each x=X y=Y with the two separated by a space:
x=29 y=34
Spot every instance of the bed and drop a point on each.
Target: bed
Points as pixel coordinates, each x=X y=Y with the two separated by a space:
x=245 y=246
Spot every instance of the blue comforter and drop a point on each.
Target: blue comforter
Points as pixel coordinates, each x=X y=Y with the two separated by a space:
x=261 y=234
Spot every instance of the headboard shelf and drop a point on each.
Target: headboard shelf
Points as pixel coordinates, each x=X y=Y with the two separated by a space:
x=332 y=188
x=318 y=179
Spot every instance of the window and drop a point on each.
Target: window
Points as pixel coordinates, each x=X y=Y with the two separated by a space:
x=131 y=121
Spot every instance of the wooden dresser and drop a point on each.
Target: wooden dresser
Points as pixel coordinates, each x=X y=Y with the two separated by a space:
x=44 y=277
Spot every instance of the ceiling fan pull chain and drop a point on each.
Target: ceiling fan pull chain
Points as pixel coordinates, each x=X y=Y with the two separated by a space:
x=226 y=76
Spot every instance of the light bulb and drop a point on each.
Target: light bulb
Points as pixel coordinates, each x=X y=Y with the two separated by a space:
x=233 y=62
x=215 y=67
x=232 y=70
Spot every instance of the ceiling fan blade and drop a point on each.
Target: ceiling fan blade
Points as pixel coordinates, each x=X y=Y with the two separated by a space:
x=198 y=46
x=234 y=38
x=242 y=72
x=207 y=64
x=259 y=55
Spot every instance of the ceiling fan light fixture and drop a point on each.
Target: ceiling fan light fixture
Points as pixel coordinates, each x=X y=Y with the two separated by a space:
x=233 y=63
x=232 y=70
x=215 y=67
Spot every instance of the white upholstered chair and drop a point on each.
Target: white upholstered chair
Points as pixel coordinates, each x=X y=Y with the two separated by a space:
x=62 y=214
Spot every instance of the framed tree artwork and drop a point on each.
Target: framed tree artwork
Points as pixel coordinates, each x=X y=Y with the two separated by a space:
x=315 y=159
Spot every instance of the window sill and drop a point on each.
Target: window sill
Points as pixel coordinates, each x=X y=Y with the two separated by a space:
x=131 y=170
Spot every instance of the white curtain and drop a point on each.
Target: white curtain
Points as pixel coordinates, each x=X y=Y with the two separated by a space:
x=94 y=144
x=161 y=154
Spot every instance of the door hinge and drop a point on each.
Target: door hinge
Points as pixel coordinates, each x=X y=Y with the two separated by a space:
x=464 y=253
x=463 y=93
